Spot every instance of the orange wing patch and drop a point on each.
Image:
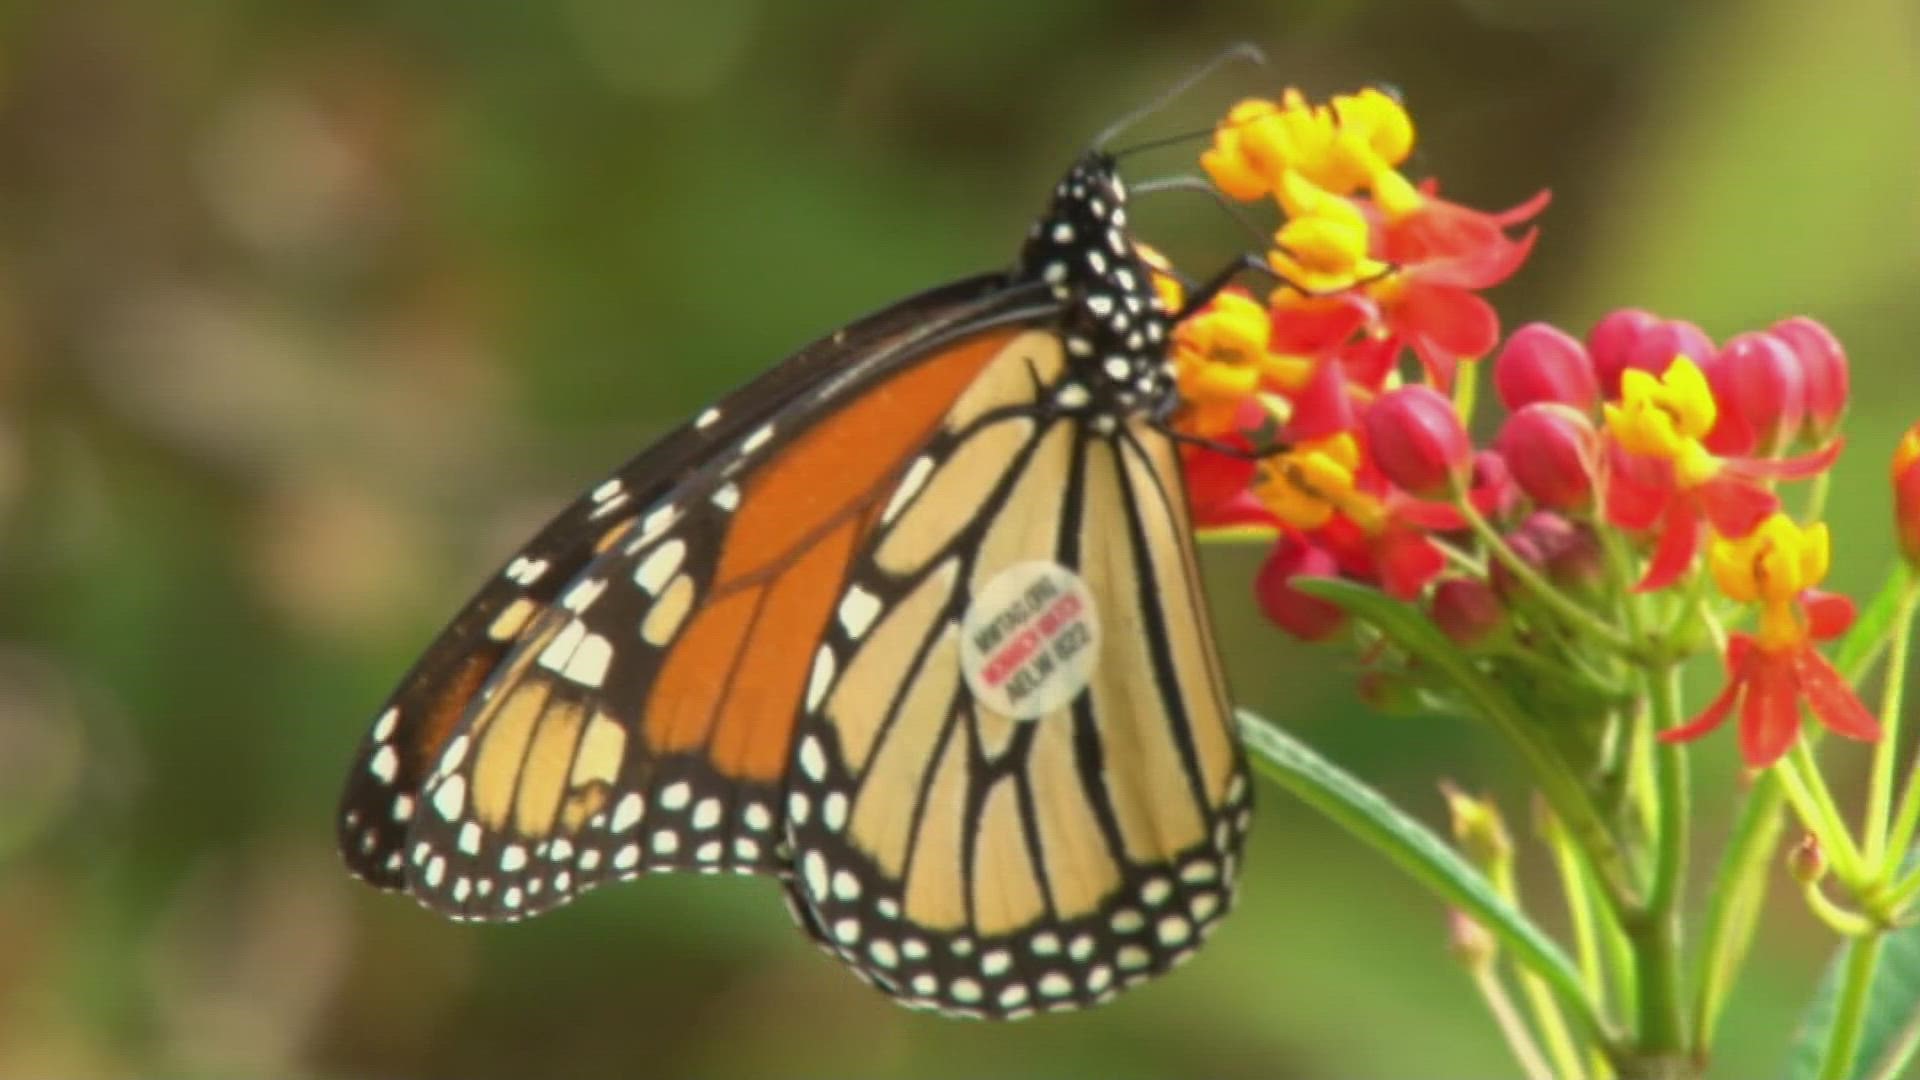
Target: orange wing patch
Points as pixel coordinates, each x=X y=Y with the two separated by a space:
x=733 y=677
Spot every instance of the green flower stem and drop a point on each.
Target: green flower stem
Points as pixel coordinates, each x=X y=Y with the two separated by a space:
x=1880 y=790
x=1553 y=1027
x=1576 y=891
x=1562 y=787
x=1466 y=390
x=1586 y=621
x=1654 y=932
x=1573 y=886
x=1733 y=907
x=1670 y=779
x=1848 y=924
x=1513 y=1028
x=1807 y=792
x=1618 y=952
x=1436 y=866
x=1850 y=1009
x=1817 y=497
x=1882 y=858
x=1902 y=892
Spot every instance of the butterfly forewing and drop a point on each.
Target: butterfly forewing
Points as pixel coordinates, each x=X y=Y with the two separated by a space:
x=1052 y=810
x=641 y=717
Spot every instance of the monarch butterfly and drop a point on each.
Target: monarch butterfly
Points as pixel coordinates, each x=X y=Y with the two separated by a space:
x=911 y=622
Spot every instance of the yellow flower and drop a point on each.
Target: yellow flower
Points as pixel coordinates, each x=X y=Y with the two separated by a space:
x=1772 y=566
x=1667 y=417
x=1245 y=160
x=1346 y=146
x=1323 y=246
x=1221 y=360
x=1308 y=484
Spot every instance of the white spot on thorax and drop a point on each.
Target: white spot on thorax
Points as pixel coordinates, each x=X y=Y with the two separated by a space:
x=757 y=440
x=706 y=418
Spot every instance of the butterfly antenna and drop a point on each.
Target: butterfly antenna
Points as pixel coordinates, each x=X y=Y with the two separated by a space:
x=1260 y=235
x=1244 y=52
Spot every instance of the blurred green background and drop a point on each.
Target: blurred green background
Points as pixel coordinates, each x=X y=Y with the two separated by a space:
x=309 y=311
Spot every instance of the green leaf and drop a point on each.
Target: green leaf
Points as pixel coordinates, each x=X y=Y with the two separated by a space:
x=1890 y=1032
x=1414 y=848
x=1875 y=624
x=1409 y=629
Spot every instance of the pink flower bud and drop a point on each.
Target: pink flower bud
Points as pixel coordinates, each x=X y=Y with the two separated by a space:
x=1631 y=338
x=1824 y=364
x=1305 y=617
x=1544 y=363
x=1417 y=441
x=1553 y=452
x=1565 y=552
x=1467 y=611
x=1761 y=389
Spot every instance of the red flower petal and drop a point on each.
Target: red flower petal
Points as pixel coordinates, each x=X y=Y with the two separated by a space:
x=1794 y=468
x=1214 y=477
x=1711 y=717
x=1770 y=714
x=1315 y=326
x=1715 y=714
x=1407 y=562
x=1323 y=407
x=1735 y=507
x=1831 y=699
x=1679 y=542
x=1370 y=360
x=1638 y=489
x=1828 y=614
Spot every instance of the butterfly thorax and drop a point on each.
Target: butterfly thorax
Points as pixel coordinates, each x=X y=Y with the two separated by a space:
x=1113 y=322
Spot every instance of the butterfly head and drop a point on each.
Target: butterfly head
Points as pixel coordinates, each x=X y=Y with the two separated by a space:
x=1115 y=327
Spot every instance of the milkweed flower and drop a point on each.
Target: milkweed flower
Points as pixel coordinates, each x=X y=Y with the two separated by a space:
x=1773 y=672
x=1222 y=361
x=1663 y=478
x=1367 y=254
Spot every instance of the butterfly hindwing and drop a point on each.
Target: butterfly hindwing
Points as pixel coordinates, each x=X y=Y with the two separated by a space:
x=987 y=855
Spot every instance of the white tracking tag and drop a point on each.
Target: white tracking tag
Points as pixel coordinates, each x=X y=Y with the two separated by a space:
x=1029 y=641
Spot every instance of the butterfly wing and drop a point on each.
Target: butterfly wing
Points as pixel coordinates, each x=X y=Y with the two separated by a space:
x=626 y=664
x=1014 y=784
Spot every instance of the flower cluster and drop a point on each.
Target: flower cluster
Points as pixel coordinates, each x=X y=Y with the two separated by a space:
x=1631 y=468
